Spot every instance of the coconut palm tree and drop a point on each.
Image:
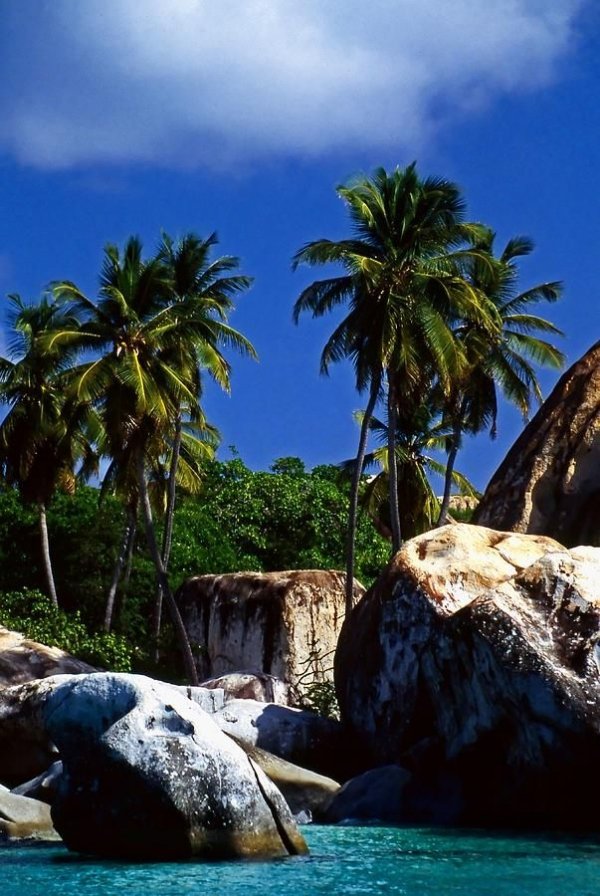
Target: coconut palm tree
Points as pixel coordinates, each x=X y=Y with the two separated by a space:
x=404 y=287
x=419 y=438
x=210 y=285
x=504 y=360
x=149 y=346
x=46 y=435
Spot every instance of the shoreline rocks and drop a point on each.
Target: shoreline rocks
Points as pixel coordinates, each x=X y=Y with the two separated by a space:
x=148 y=774
x=474 y=664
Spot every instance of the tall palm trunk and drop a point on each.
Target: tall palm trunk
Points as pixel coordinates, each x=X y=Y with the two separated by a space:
x=172 y=494
x=352 y=516
x=454 y=449
x=124 y=552
x=167 y=534
x=43 y=523
x=184 y=644
x=393 y=467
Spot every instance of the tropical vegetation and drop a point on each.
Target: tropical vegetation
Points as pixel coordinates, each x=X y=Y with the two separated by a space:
x=111 y=387
x=416 y=279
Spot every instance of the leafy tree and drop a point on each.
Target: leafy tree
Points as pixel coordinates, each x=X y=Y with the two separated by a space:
x=152 y=330
x=404 y=285
x=44 y=436
x=504 y=360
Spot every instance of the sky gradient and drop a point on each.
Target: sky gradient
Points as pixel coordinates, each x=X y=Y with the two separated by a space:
x=244 y=120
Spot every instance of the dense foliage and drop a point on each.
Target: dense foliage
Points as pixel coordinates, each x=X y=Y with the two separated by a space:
x=288 y=518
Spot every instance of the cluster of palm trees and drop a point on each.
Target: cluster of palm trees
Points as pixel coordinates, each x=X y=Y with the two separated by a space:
x=119 y=378
x=435 y=325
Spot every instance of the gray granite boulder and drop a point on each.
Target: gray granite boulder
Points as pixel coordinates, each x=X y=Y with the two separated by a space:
x=22 y=818
x=147 y=774
x=26 y=749
x=306 y=793
x=474 y=663
x=378 y=795
x=43 y=787
x=296 y=735
x=22 y=659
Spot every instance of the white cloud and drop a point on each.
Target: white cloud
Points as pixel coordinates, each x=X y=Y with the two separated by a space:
x=181 y=81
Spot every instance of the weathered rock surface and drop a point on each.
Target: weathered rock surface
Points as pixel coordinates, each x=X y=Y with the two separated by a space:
x=378 y=795
x=22 y=818
x=42 y=787
x=549 y=482
x=296 y=735
x=306 y=793
x=474 y=663
x=147 y=774
x=283 y=623
x=252 y=686
x=26 y=749
x=24 y=660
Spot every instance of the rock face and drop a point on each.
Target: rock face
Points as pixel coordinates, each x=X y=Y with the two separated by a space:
x=296 y=735
x=283 y=623
x=549 y=482
x=147 y=774
x=26 y=750
x=252 y=686
x=24 y=660
x=474 y=663
x=22 y=818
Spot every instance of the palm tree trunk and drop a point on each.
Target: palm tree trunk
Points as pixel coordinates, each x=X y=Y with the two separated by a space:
x=167 y=535
x=184 y=644
x=352 y=516
x=393 y=468
x=43 y=523
x=172 y=494
x=118 y=570
x=456 y=440
x=130 y=547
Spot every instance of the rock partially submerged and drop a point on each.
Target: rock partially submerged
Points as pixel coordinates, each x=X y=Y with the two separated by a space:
x=474 y=663
x=148 y=774
x=22 y=818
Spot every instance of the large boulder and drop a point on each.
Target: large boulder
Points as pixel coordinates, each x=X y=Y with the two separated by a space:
x=474 y=663
x=283 y=623
x=306 y=793
x=322 y=745
x=22 y=818
x=148 y=774
x=26 y=749
x=24 y=660
x=251 y=686
x=549 y=482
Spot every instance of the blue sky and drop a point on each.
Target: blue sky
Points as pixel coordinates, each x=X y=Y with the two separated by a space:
x=242 y=117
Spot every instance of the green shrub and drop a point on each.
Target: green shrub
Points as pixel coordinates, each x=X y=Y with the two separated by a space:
x=32 y=614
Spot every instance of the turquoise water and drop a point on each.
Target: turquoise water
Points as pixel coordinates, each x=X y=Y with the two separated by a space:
x=343 y=860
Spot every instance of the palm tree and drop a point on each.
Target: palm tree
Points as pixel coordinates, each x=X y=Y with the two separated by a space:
x=45 y=435
x=504 y=360
x=149 y=346
x=418 y=439
x=210 y=285
x=404 y=285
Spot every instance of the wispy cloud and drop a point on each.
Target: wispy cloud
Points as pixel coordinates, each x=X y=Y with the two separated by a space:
x=180 y=81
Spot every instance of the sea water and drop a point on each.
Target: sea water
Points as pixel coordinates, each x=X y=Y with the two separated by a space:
x=358 y=861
